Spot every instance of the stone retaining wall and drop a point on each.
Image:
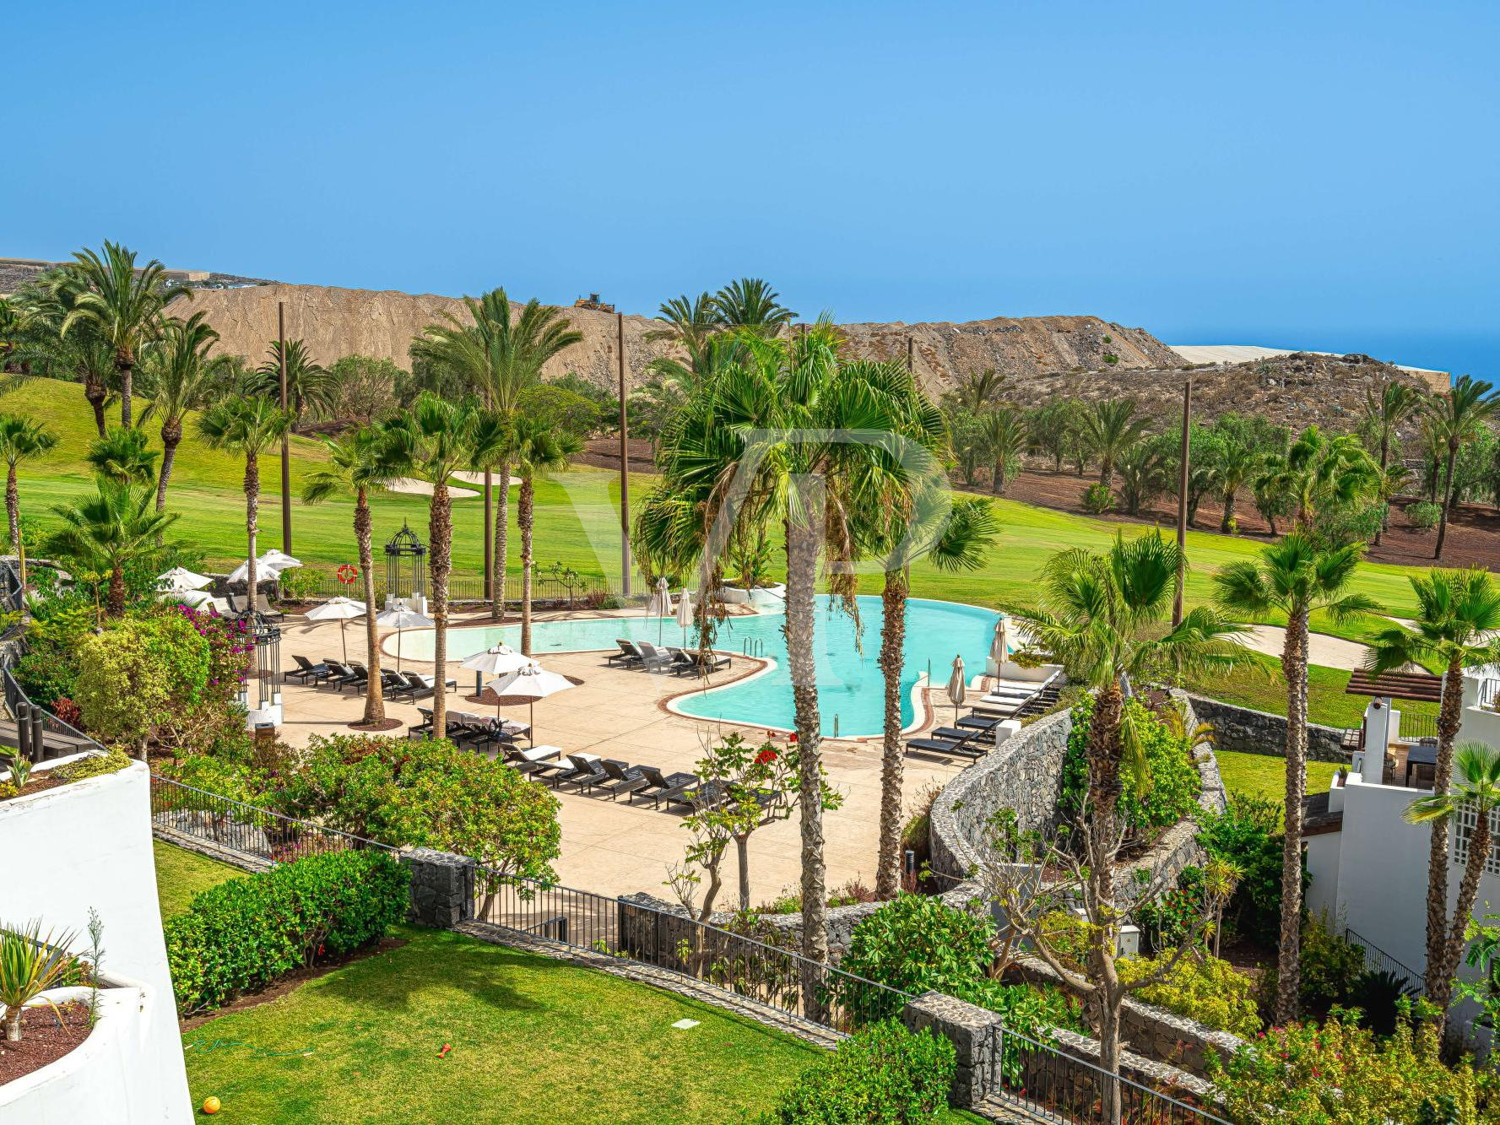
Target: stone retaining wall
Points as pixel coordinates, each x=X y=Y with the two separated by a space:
x=1260 y=732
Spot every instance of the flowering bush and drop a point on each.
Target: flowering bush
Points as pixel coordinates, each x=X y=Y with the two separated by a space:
x=140 y=678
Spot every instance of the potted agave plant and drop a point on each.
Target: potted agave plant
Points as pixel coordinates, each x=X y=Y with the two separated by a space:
x=31 y=962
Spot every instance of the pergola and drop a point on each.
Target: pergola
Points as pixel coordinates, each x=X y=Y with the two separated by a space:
x=1419 y=687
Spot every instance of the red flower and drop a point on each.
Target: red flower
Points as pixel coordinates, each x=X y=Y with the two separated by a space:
x=792 y=737
x=766 y=756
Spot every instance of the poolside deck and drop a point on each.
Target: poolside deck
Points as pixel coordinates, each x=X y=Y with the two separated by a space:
x=612 y=847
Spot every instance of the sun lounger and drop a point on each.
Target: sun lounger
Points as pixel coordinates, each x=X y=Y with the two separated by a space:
x=681 y=662
x=953 y=734
x=588 y=772
x=652 y=658
x=657 y=785
x=425 y=726
x=266 y=610
x=411 y=687
x=346 y=675
x=697 y=797
x=307 y=672
x=532 y=759
x=971 y=744
x=979 y=722
x=627 y=654
x=619 y=779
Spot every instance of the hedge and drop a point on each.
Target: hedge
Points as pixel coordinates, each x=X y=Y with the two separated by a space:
x=883 y=1074
x=243 y=935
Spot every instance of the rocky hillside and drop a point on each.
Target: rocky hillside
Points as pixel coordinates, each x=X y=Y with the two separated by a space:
x=337 y=322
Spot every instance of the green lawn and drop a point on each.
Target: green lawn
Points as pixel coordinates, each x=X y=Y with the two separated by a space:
x=1261 y=775
x=1258 y=684
x=181 y=875
x=577 y=519
x=534 y=1040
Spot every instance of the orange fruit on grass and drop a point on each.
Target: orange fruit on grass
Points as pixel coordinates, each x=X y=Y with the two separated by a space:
x=211 y=1105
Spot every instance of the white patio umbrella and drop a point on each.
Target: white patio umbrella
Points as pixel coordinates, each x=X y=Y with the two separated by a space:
x=268 y=565
x=685 y=612
x=194 y=598
x=530 y=683
x=497 y=661
x=339 y=609
x=1000 y=646
x=958 y=687
x=180 y=580
x=400 y=617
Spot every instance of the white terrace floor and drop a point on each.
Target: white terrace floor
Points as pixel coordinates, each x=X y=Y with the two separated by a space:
x=612 y=847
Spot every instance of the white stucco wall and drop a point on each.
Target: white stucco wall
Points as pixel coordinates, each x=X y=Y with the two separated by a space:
x=88 y=844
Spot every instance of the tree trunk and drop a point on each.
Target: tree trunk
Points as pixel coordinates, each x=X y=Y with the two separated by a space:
x=1385 y=457
x=742 y=854
x=1450 y=716
x=1440 y=982
x=484 y=533
x=96 y=393
x=252 y=514
x=802 y=562
x=171 y=435
x=502 y=541
x=126 y=369
x=13 y=1024
x=440 y=536
x=114 y=604
x=1107 y=471
x=997 y=477
x=13 y=512
x=374 y=691
x=1447 y=501
x=525 y=515
x=892 y=761
x=1228 y=518
x=1105 y=753
x=1294 y=669
x=1109 y=1053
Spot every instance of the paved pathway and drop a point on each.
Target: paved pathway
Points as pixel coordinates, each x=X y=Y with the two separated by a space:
x=1330 y=652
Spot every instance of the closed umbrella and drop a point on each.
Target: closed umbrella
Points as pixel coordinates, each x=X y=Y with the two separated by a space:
x=339 y=609
x=660 y=605
x=497 y=661
x=530 y=683
x=957 y=686
x=1000 y=647
x=399 y=617
x=685 y=613
x=180 y=580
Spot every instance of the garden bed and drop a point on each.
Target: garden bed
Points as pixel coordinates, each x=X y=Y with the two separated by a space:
x=46 y=1036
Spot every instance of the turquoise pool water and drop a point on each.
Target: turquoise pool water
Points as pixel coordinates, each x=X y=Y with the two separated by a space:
x=849 y=686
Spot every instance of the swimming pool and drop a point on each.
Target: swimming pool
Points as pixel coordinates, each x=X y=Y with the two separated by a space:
x=850 y=696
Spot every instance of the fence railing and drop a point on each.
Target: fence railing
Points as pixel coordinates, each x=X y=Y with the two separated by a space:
x=1415 y=726
x=1378 y=960
x=1052 y=1085
x=463 y=587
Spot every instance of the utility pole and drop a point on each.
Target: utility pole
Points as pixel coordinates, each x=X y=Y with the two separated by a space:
x=908 y=355
x=286 y=441
x=1182 y=505
x=624 y=464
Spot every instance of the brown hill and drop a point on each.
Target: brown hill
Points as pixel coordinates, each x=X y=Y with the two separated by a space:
x=337 y=322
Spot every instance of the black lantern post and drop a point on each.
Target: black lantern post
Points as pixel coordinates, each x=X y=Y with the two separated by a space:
x=267 y=639
x=405 y=566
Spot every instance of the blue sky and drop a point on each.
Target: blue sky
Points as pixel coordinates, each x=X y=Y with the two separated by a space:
x=1319 y=175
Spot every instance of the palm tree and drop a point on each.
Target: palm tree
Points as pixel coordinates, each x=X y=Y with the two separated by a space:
x=1234 y=457
x=1293 y=577
x=1459 y=414
x=691 y=322
x=1004 y=433
x=22 y=438
x=109 y=531
x=1101 y=616
x=1322 y=475
x=1384 y=414
x=748 y=302
x=497 y=357
x=438 y=438
x=122 y=304
x=359 y=463
x=979 y=391
x=123 y=455
x=539 y=448
x=249 y=427
x=1478 y=768
x=1108 y=428
x=37 y=343
x=1460 y=612
x=181 y=377
x=309 y=386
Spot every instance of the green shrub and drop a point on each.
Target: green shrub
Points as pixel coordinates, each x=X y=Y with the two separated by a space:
x=1424 y=515
x=1330 y=969
x=143 y=676
x=1248 y=835
x=1097 y=498
x=1203 y=988
x=109 y=761
x=914 y=943
x=298 y=583
x=1173 y=783
x=884 y=1074
x=243 y=935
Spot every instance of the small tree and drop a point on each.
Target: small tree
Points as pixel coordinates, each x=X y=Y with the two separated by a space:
x=22 y=438
x=31 y=962
x=757 y=786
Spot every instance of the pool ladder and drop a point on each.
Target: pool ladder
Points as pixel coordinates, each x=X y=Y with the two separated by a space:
x=753 y=646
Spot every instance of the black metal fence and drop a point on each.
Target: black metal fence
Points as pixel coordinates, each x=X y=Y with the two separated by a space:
x=1051 y=1085
x=462 y=587
x=759 y=964
x=1416 y=725
x=1378 y=960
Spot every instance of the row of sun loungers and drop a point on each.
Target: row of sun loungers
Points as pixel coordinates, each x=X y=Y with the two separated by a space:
x=338 y=674
x=973 y=736
x=589 y=773
x=678 y=661
x=482 y=732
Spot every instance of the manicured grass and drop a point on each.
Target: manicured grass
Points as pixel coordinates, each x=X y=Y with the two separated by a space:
x=534 y=1040
x=1257 y=684
x=1262 y=775
x=181 y=875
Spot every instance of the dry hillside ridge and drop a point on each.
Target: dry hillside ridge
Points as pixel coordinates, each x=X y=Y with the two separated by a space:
x=337 y=322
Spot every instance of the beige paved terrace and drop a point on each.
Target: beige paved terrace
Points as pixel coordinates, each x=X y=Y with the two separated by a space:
x=614 y=847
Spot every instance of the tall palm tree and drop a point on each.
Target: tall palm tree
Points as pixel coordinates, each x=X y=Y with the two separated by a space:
x=181 y=375
x=438 y=438
x=748 y=302
x=690 y=323
x=109 y=531
x=1459 y=414
x=1004 y=433
x=1234 y=457
x=1322 y=475
x=123 y=304
x=1478 y=789
x=757 y=445
x=359 y=463
x=1102 y=616
x=979 y=391
x=1293 y=577
x=123 y=455
x=497 y=357
x=1460 y=612
x=249 y=427
x=38 y=345
x=309 y=386
x=540 y=448
x=22 y=438
x=1108 y=428
x=1384 y=413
